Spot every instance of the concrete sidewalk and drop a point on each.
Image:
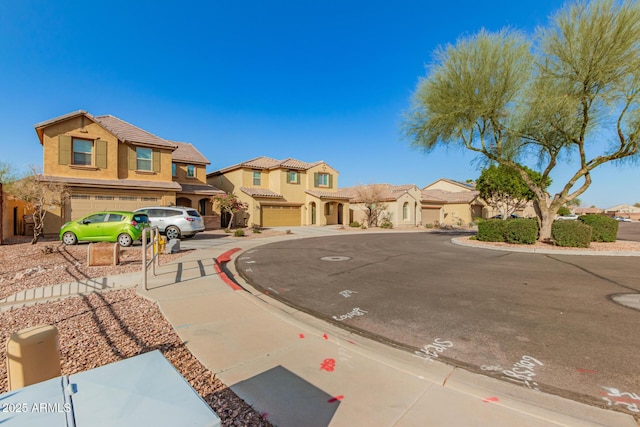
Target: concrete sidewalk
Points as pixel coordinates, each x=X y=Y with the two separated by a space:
x=301 y=371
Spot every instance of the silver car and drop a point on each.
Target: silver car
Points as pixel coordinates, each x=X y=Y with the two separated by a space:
x=174 y=221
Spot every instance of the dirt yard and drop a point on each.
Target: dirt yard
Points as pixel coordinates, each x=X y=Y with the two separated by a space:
x=104 y=327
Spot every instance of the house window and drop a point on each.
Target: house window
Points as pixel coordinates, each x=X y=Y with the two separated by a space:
x=128 y=198
x=143 y=159
x=174 y=169
x=104 y=197
x=80 y=197
x=293 y=177
x=82 y=151
x=191 y=171
x=323 y=180
x=405 y=210
x=149 y=199
x=256 y=177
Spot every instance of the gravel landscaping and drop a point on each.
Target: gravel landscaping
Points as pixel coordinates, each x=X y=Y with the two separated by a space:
x=102 y=328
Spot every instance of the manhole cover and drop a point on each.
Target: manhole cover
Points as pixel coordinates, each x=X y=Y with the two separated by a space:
x=335 y=258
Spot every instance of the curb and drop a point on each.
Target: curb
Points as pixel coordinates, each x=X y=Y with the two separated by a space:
x=461 y=241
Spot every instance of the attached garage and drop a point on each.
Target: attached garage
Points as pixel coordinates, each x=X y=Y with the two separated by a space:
x=83 y=203
x=280 y=216
x=430 y=215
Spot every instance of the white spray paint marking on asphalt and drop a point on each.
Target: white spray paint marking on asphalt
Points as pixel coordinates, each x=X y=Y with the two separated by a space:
x=523 y=372
x=353 y=313
x=631 y=402
x=430 y=351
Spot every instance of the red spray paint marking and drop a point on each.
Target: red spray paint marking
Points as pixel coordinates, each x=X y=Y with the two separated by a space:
x=265 y=415
x=301 y=335
x=335 y=399
x=328 y=365
x=490 y=399
x=620 y=399
x=325 y=336
x=350 y=342
x=586 y=371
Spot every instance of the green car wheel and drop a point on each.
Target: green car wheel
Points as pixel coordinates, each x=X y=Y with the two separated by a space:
x=125 y=240
x=69 y=238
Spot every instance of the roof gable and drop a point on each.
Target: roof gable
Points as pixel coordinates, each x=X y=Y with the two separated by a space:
x=269 y=163
x=187 y=153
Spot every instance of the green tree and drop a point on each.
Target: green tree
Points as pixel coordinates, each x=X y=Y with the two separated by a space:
x=7 y=173
x=568 y=96
x=230 y=204
x=504 y=189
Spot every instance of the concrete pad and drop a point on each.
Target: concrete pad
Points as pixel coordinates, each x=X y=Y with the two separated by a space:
x=220 y=304
x=441 y=406
x=230 y=342
x=367 y=392
x=542 y=405
x=210 y=285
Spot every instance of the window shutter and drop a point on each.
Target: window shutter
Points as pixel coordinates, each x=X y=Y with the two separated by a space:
x=101 y=154
x=155 y=155
x=288 y=177
x=64 y=149
x=315 y=179
x=330 y=181
x=132 y=158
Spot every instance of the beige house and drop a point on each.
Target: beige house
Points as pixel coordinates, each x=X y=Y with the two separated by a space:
x=286 y=192
x=403 y=207
x=450 y=202
x=625 y=211
x=12 y=216
x=109 y=164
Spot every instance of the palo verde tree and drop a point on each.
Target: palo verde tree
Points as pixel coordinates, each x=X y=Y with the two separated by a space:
x=230 y=204
x=568 y=96
x=504 y=189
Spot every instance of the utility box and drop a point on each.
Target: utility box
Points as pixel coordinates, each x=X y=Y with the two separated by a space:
x=103 y=254
x=33 y=356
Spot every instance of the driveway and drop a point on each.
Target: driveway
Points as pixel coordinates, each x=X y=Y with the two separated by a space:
x=544 y=322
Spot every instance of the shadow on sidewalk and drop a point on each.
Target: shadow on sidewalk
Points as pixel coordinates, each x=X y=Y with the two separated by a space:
x=297 y=402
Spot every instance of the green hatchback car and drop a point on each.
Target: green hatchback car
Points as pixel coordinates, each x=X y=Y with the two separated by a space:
x=111 y=226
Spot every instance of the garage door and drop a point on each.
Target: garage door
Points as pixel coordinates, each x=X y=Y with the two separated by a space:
x=430 y=216
x=280 y=216
x=84 y=204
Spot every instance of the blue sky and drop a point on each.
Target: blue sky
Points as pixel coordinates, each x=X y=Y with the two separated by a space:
x=314 y=80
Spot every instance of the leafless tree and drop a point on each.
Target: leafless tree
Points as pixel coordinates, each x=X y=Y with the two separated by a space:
x=39 y=195
x=371 y=199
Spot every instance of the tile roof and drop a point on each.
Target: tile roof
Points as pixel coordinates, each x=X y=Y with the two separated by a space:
x=388 y=192
x=264 y=162
x=127 y=132
x=205 y=189
x=340 y=194
x=261 y=192
x=187 y=153
x=111 y=183
x=465 y=185
x=449 y=196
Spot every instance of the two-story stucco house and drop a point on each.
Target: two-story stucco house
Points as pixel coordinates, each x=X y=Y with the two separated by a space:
x=108 y=164
x=286 y=192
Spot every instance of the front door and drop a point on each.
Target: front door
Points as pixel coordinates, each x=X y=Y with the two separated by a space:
x=313 y=213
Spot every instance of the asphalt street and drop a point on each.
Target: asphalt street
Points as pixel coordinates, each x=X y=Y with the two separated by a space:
x=545 y=322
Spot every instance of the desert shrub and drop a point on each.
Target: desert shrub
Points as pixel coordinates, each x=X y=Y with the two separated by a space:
x=354 y=224
x=564 y=211
x=256 y=230
x=574 y=234
x=227 y=230
x=428 y=225
x=603 y=228
x=492 y=230
x=522 y=231
x=386 y=223
x=239 y=233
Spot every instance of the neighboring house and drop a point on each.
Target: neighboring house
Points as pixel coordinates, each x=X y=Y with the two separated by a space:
x=449 y=202
x=286 y=192
x=587 y=211
x=624 y=210
x=402 y=202
x=107 y=163
x=12 y=216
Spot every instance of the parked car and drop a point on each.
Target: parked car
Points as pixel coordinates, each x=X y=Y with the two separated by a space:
x=622 y=219
x=174 y=221
x=110 y=226
x=568 y=217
